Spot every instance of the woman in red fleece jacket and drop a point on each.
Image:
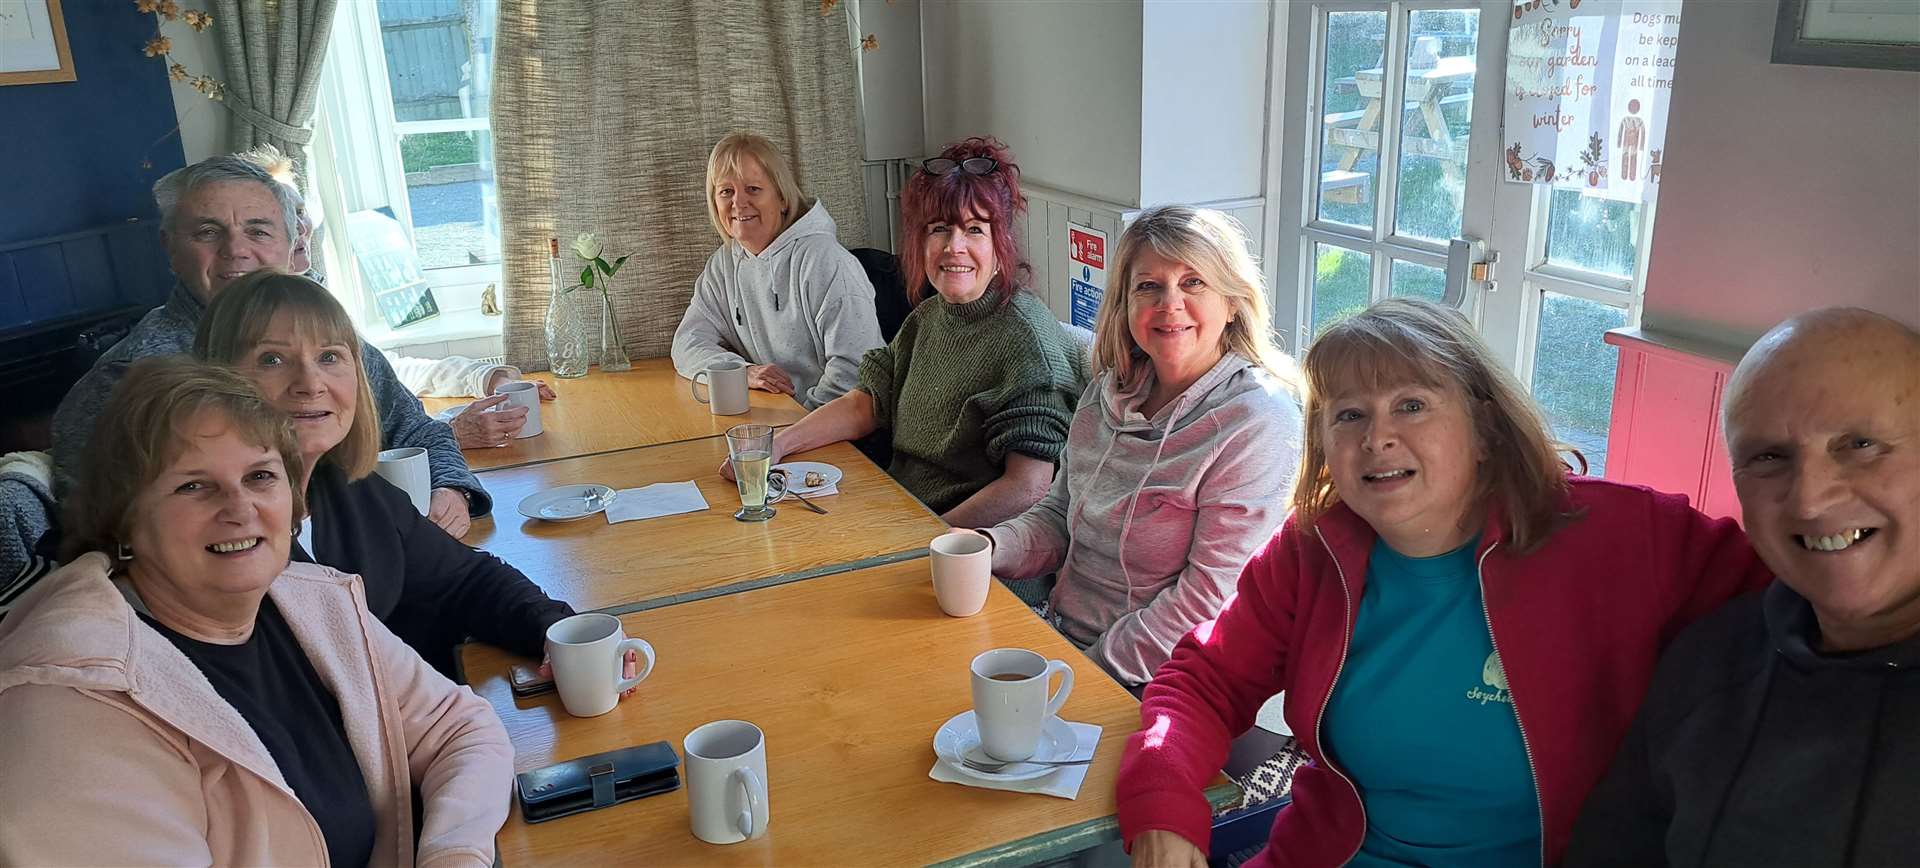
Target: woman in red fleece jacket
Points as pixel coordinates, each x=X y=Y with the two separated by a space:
x=1433 y=511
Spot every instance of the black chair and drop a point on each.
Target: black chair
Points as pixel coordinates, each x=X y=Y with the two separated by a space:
x=890 y=303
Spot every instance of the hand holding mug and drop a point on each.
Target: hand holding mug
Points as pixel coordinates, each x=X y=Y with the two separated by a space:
x=477 y=428
x=629 y=669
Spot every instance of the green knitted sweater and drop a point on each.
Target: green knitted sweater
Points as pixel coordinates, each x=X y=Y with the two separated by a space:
x=962 y=385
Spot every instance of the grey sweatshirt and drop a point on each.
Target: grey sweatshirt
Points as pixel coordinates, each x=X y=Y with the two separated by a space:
x=1150 y=521
x=169 y=329
x=804 y=305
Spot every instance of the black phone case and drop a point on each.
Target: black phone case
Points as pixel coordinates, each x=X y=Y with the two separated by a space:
x=597 y=781
x=525 y=689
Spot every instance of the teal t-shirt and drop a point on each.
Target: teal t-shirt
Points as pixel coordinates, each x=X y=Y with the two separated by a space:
x=1422 y=721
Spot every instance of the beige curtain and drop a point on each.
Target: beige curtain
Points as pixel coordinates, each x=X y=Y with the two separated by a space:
x=272 y=51
x=603 y=114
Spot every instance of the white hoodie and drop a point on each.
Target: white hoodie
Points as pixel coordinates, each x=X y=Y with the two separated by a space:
x=803 y=304
x=1150 y=520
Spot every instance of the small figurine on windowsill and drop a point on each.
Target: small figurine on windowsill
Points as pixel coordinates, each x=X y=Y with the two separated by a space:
x=489 y=301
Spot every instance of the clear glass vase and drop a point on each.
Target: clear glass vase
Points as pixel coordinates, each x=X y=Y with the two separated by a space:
x=613 y=356
x=572 y=332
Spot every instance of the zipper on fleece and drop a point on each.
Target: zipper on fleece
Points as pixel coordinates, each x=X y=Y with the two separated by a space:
x=1539 y=804
x=1346 y=592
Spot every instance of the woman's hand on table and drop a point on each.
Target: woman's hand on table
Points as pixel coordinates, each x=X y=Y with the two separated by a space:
x=769 y=378
x=1159 y=848
x=479 y=426
x=628 y=670
x=448 y=509
x=500 y=378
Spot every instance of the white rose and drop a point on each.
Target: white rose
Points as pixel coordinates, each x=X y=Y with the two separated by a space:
x=586 y=246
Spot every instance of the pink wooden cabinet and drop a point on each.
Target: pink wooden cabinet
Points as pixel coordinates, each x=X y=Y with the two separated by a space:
x=1665 y=432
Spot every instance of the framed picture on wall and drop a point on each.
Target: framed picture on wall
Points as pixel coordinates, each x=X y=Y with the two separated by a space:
x=33 y=43
x=1870 y=34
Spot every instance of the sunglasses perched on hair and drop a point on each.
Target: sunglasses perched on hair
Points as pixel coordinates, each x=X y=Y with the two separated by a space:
x=970 y=165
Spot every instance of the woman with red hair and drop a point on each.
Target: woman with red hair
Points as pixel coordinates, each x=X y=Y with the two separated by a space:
x=978 y=388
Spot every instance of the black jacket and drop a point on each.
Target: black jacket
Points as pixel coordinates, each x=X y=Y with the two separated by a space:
x=1755 y=748
x=428 y=588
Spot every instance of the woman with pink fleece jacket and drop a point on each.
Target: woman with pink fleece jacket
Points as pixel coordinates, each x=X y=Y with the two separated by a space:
x=195 y=699
x=1180 y=455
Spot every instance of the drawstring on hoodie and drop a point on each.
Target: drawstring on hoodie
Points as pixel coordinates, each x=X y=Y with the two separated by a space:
x=1133 y=503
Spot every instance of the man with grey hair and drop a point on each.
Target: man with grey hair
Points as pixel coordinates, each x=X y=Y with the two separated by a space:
x=1780 y=729
x=220 y=219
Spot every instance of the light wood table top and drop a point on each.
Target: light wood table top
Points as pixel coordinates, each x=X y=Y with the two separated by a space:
x=850 y=676
x=602 y=412
x=594 y=565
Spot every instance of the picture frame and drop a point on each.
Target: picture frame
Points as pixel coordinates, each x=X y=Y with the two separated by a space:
x=1863 y=34
x=33 y=43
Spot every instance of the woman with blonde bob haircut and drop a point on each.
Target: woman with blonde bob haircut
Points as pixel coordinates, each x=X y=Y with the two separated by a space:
x=1179 y=456
x=182 y=694
x=781 y=295
x=1462 y=626
x=291 y=337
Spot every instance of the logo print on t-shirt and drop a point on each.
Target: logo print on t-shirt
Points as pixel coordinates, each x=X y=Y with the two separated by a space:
x=1493 y=675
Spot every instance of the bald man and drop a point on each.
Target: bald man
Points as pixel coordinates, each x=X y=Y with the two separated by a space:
x=1785 y=728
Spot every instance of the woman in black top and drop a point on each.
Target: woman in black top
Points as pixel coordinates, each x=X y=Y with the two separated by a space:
x=291 y=337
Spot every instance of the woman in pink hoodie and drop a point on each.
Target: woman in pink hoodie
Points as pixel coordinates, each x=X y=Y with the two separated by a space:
x=181 y=694
x=1179 y=457
x=1463 y=628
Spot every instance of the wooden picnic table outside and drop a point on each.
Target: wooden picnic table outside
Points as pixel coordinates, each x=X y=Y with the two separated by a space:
x=603 y=412
x=849 y=676
x=593 y=564
x=1427 y=92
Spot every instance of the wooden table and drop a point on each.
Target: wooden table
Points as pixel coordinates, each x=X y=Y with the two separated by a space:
x=602 y=412
x=594 y=565
x=849 y=675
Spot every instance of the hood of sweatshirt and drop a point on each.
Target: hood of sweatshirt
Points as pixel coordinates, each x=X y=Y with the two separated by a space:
x=1122 y=407
x=815 y=222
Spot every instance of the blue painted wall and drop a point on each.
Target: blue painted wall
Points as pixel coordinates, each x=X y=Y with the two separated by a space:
x=71 y=154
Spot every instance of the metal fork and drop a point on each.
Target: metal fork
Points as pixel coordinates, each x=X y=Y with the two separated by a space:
x=806 y=503
x=994 y=768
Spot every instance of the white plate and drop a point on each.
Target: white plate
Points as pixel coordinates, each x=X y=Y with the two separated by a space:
x=797 y=475
x=960 y=737
x=565 y=503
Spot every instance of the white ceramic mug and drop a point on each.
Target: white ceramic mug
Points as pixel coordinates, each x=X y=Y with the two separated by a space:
x=727 y=781
x=521 y=393
x=726 y=385
x=962 y=571
x=587 y=653
x=1011 y=710
x=407 y=469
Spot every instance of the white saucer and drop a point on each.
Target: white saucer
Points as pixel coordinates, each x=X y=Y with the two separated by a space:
x=565 y=503
x=960 y=737
x=455 y=410
x=797 y=475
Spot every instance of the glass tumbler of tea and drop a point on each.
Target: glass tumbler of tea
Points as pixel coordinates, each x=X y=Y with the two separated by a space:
x=750 y=449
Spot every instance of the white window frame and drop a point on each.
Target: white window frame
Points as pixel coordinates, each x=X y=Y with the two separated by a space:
x=357 y=165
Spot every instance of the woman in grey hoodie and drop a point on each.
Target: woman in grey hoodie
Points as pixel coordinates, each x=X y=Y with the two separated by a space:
x=781 y=294
x=1180 y=456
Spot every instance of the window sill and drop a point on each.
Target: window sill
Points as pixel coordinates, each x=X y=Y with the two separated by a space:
x=455 y=325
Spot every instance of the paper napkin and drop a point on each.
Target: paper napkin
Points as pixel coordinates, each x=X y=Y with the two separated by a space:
x=654 y=501
x=1063 y=783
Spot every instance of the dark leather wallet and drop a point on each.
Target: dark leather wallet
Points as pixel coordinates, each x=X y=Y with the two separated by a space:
x=597 y=781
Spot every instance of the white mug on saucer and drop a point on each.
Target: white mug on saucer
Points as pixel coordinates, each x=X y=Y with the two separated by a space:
x=521 y=393
x=727 y=781
x=407 y=469
x=587 y=653
x=962 y=571
x=726 y=384
x=1010 y=702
